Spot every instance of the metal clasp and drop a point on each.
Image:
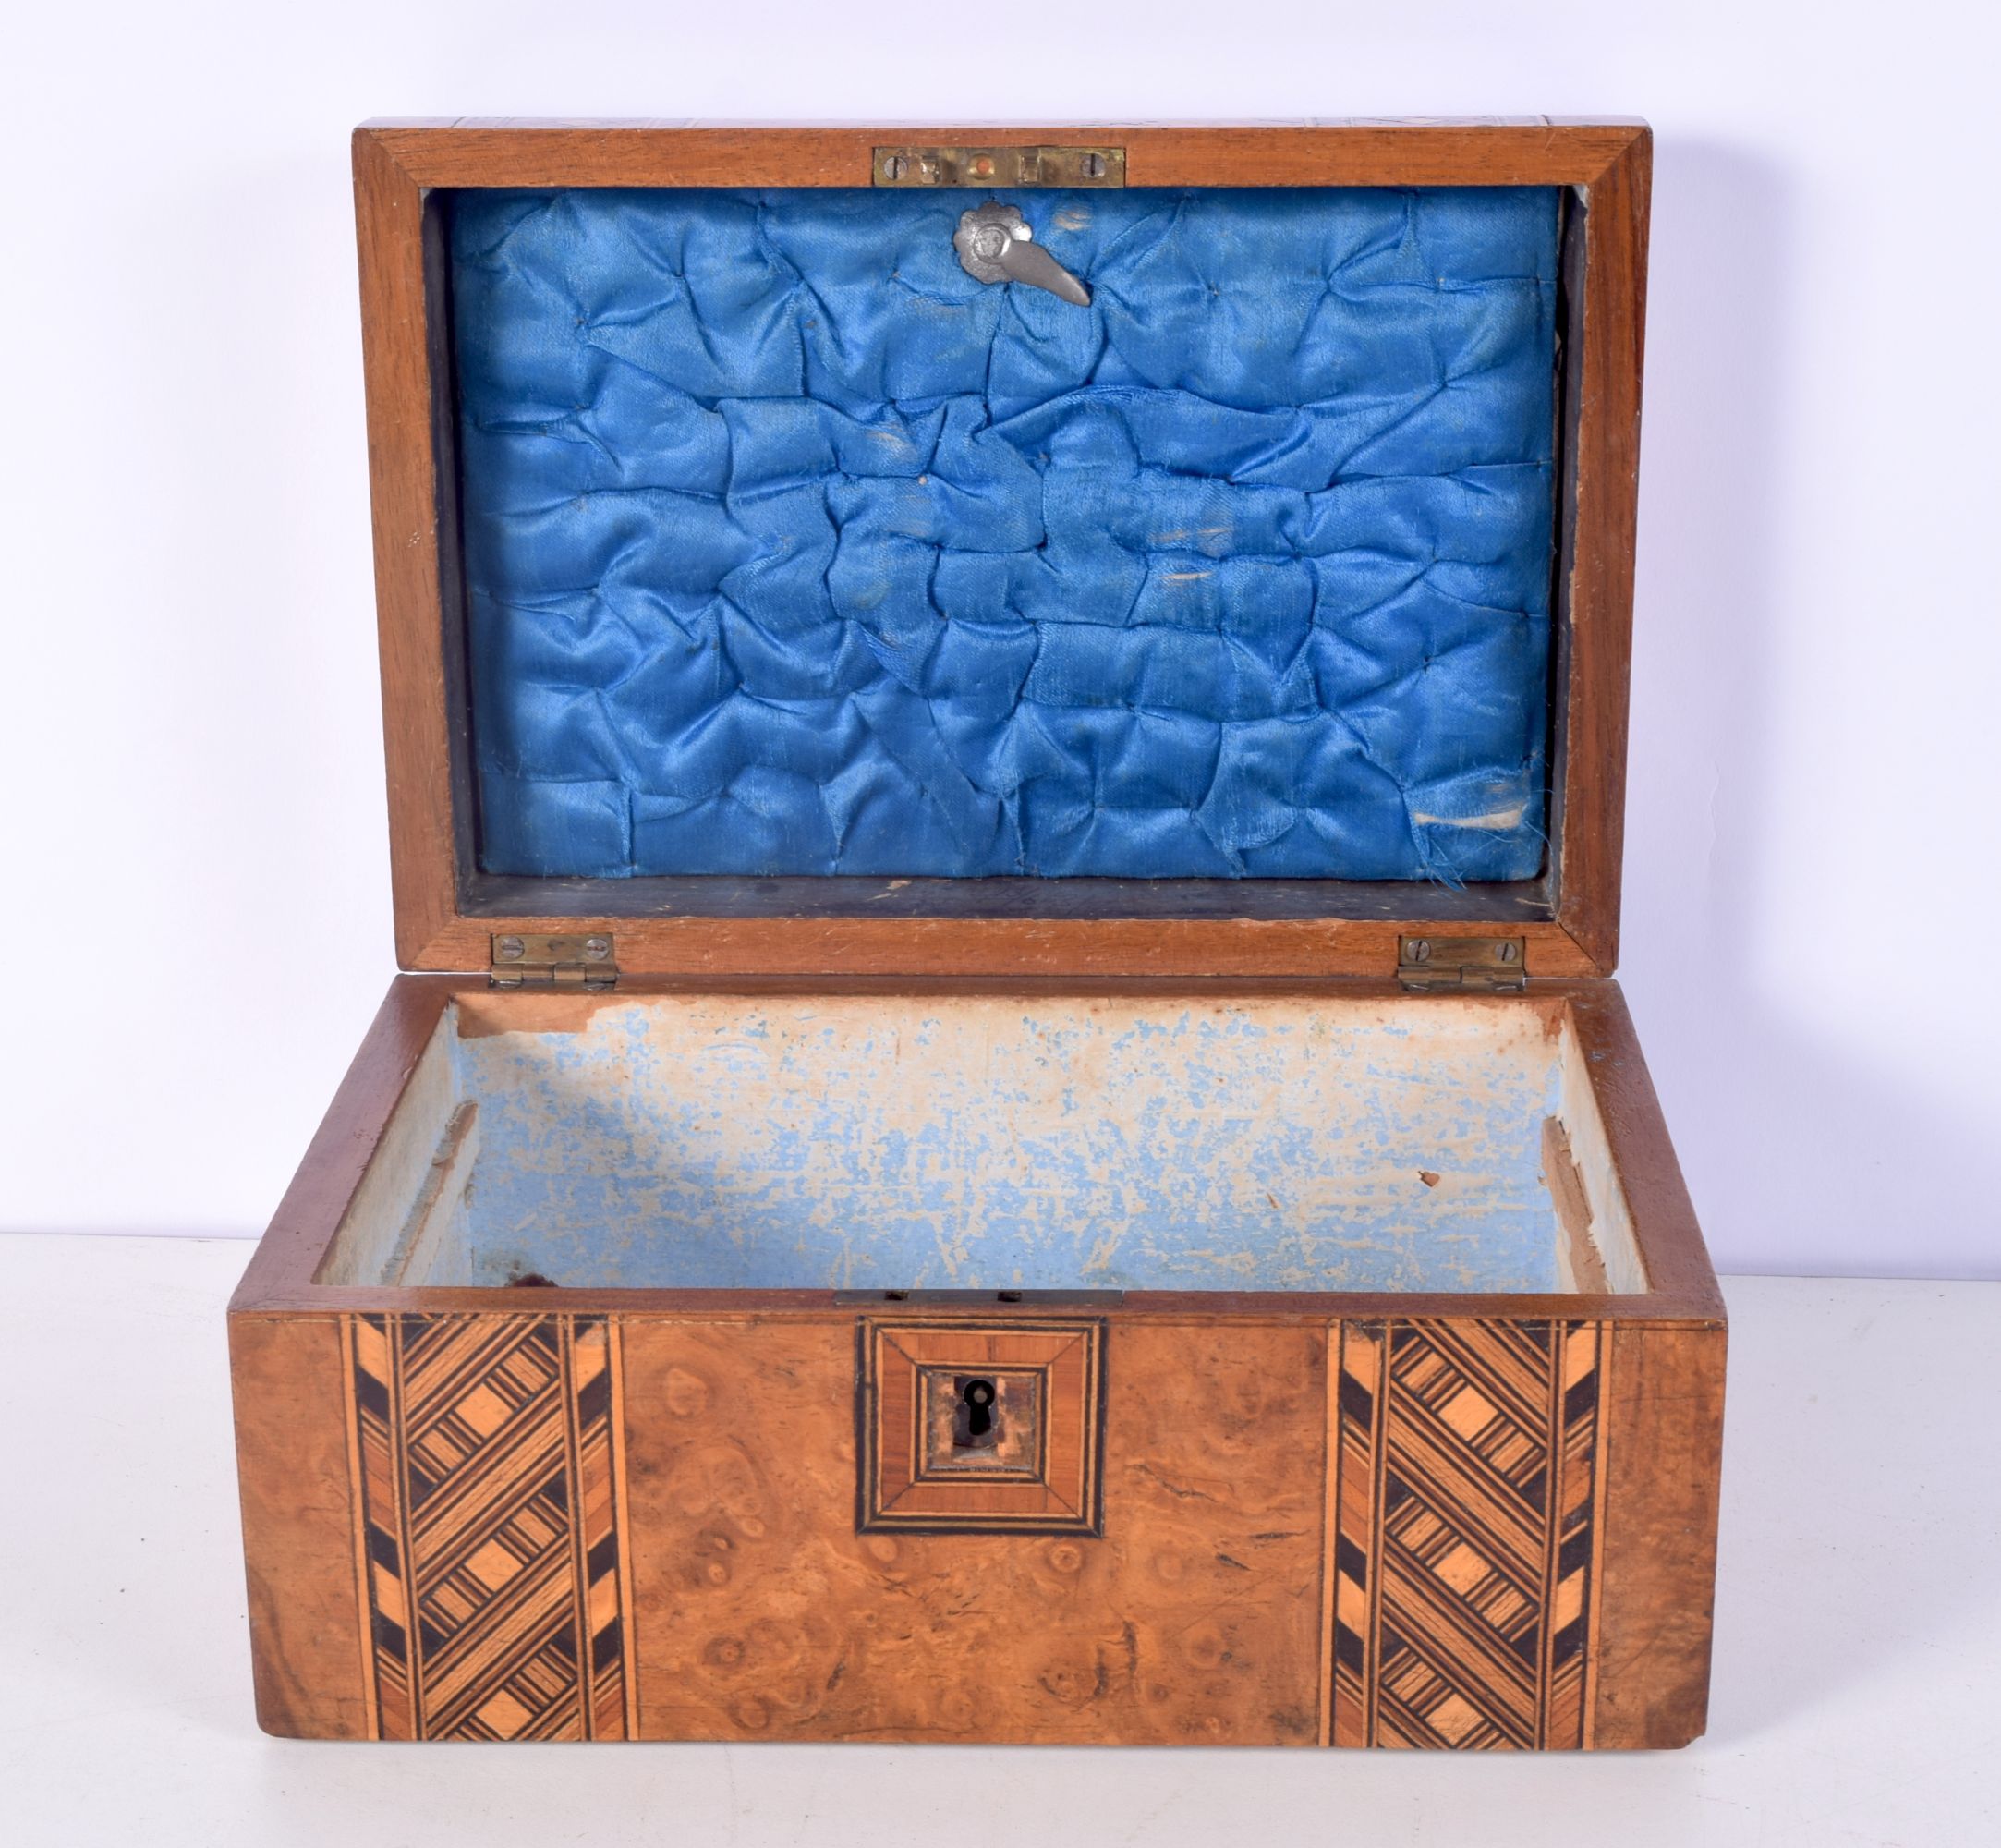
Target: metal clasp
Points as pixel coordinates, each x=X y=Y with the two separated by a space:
x=996 y=245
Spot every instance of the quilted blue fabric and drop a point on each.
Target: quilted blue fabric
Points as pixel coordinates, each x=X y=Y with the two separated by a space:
x=791 y=548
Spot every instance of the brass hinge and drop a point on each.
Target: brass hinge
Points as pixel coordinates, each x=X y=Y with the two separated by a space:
x=554 y=962
x=1488 y=964
x=1010 y=167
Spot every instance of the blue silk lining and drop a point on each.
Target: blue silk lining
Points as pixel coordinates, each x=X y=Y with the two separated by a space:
x=791 y=548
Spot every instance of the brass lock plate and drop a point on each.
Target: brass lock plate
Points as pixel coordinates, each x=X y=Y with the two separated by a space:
x=1009 y=167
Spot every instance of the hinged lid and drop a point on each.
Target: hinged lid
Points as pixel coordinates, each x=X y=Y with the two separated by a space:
x=1261 y=607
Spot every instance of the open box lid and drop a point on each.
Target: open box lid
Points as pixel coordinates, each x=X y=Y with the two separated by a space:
x=504 y=269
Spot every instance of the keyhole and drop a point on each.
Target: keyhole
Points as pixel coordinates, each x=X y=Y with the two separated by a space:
x=975 y=1414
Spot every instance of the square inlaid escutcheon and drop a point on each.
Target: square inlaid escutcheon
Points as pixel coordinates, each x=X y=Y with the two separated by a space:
x=981 y=1428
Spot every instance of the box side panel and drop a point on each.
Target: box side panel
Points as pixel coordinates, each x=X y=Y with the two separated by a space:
x=294 y=1476
x=404 y=1192
x=1629 y=1157
x=1663 y=1471
x=301 y=1235
x=1605 y=1220
x=761 y=1614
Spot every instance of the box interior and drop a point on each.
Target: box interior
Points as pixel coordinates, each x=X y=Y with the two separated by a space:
x=790 y=548
x=912 y=1142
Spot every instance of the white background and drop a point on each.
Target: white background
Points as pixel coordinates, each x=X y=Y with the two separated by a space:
x=195 y=902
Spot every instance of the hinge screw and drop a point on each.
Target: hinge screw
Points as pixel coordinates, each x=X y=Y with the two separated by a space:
x=1092 y=166
x=510 y=949
x=894 y=166
x=1511 y=953
x=1418 y=952
x=596 y=949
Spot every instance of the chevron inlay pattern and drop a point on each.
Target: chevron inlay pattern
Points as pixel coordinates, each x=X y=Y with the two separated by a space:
x=490 y=1505
x=1465 y=1460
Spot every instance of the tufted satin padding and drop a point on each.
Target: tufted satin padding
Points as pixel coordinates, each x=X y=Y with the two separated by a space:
x=790 y=548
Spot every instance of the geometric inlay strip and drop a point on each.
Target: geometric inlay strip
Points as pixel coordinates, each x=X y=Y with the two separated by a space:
x=489 y=1500
x=1464 y=1518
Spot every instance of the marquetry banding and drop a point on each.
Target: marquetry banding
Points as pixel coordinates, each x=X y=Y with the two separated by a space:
x=1463 y=1555
x=488 y=1504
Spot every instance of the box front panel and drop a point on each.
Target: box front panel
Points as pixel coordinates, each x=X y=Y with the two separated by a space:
x=764 y=1613
x=1391 y=1533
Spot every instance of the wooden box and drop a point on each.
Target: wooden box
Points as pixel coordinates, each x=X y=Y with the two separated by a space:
x=737 y=1294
